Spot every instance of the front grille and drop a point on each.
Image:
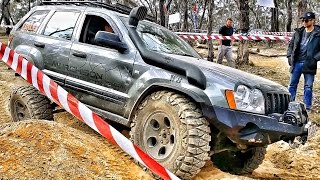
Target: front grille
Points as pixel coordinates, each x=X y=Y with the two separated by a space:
x=277 y=103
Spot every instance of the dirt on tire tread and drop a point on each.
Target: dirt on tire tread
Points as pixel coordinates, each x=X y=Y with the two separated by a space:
x=39 y=103
x=196 y=144
x=254 y=162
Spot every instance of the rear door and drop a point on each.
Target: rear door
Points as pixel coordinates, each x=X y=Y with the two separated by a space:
x=25 y=33
x=54 y=42
x=102 y=75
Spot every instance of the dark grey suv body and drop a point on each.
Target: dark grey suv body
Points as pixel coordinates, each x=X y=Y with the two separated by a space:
x=239 y=109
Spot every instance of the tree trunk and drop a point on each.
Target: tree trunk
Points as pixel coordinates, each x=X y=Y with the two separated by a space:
x=5 y=15
x=289 y=13
x=243 y=48
x=274 y=17
x=155 y=10
x=4 y=4
x=162 y=14
x=302 y=7
x=210 y=23
x=185 y=17
x=204 y=10
x=257 y=19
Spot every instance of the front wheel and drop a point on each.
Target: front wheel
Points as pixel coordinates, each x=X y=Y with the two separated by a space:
x=171 y=129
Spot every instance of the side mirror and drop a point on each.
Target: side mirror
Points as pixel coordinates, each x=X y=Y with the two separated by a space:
x=111 y=40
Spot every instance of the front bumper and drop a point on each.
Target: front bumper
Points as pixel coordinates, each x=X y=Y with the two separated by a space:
x=255 y=129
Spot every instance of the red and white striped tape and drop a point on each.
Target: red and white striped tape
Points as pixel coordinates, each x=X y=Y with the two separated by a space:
x=196 y=36
x=60 y=96
x=273 y=33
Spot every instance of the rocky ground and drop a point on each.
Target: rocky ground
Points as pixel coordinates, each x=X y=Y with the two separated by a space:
x=68 y=148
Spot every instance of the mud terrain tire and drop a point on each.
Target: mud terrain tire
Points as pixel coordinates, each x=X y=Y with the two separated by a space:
x=238 y=162
x=171 y=129
x=26 y=102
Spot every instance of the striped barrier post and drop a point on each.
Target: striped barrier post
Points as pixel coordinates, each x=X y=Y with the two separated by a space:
x=60 y=96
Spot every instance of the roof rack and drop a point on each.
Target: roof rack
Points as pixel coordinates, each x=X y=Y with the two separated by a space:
x=94 y=3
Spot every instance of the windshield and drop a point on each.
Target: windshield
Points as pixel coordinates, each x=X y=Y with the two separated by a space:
x=159 y=39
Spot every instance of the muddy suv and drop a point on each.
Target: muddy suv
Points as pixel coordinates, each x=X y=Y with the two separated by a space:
x=180 y=109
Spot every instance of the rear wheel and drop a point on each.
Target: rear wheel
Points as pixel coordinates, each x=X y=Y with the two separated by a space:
x=171 y=129
x=26 y=102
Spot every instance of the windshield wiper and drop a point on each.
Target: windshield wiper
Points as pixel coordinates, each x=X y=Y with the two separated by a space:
x=180 y=54
x=184 y=54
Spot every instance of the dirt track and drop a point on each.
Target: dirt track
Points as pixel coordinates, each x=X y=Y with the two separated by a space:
x=57 y=150
x=35 y=149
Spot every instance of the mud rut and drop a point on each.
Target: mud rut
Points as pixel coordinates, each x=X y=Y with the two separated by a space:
x=280 y=162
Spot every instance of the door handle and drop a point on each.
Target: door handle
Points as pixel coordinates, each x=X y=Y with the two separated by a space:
x=79 y=54
x=40 y=45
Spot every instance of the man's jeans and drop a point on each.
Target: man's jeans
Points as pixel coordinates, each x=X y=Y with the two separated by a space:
x=308 y=84
x=227 y=52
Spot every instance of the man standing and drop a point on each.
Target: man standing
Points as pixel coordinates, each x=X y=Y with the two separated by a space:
x=225 y=48
x=303 y=54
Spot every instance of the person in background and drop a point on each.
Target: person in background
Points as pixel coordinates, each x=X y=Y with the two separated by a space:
x=225 y=46
x=303 y=55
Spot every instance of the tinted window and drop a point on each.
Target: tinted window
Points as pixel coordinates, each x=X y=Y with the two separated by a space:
x=61 y=25
x=34 y=21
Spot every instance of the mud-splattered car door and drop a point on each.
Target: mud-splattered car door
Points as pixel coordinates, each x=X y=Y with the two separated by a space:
x=54 y=42
x=102 y=75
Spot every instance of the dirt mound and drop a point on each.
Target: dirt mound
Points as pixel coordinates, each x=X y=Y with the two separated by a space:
x=43 y=149
x=302 y=162
x=211 y=172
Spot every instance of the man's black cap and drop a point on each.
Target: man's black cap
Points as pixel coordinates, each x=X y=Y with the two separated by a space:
x=308 y=15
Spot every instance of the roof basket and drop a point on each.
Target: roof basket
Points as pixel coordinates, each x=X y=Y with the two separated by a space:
x=94 y=3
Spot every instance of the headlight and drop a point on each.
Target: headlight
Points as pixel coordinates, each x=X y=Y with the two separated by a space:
x=249 y=100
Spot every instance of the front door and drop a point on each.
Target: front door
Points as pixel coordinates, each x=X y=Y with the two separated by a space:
x=102 y=75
